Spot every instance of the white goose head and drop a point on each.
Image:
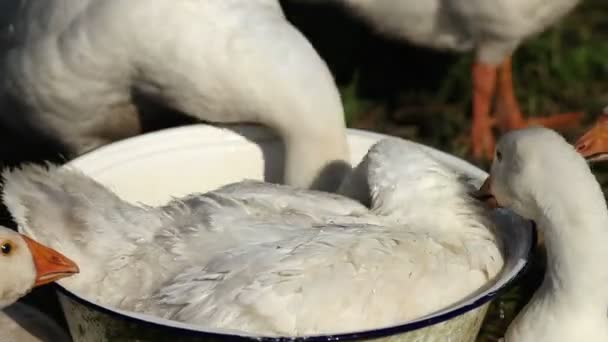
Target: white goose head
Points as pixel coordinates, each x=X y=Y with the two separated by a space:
x=536 y=171
x=26 y=264
x=540 y=176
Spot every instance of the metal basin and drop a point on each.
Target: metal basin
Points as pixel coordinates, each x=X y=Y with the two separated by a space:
x=152 y=168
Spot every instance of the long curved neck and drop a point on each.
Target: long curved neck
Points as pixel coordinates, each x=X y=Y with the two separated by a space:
x=299 y=99
x=316 y=161
x=309 y=117
x=576 y=232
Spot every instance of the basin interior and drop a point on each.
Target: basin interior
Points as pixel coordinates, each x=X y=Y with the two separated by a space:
x=156 y=167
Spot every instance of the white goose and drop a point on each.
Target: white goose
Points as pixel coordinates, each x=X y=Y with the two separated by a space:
x=541 y=177
x=264 y=258
x=494 y=29
x=26 y=264
x=76 y=64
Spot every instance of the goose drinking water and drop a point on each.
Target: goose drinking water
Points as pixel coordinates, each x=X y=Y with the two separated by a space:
x=76 y=64
x=541 y=177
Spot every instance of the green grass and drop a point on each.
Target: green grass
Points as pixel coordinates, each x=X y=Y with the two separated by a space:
x=563 y=69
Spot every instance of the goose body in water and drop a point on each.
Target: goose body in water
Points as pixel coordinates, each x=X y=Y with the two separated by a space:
x=76 y=64
x=271 y=259
x=541 y=177
x=26 y=264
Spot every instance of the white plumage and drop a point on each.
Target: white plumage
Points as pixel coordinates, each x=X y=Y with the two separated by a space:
x=77 y=63
x=542 y=178
x=272 y=259
x=492 y=29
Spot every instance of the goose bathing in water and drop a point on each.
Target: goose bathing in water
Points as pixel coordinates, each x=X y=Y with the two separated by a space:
x=272 y=259
x=75 y=65
x=26 y=264
x=541 y=177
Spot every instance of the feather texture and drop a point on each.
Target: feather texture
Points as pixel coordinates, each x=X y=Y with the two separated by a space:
x=272 y=259
x=77 y=63
x=494 y=28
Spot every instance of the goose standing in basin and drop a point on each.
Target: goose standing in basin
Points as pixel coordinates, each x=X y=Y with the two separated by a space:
x=75 y=65
x=26 y=264
x=272 y=259
x=494 y=29
x=541 y=177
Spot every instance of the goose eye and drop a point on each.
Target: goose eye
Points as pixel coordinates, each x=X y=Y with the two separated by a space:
x=498 y=155
x=6 y=248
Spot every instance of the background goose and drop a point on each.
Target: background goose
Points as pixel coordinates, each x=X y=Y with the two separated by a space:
x=494 y=29
x=75 y=67
x=265 y=258
x=27 y=264
x=569 y=207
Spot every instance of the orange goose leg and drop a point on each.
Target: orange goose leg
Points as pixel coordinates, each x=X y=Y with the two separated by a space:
x=491 y=82
x=508 y=114
x=482 y=137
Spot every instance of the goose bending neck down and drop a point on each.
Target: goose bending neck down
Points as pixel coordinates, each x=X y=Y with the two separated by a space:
x=77 y=63
x=541 y=177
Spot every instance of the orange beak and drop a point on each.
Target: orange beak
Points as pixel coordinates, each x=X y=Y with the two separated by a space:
x=50 y=265
x=593 y=145
x=485 y=193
